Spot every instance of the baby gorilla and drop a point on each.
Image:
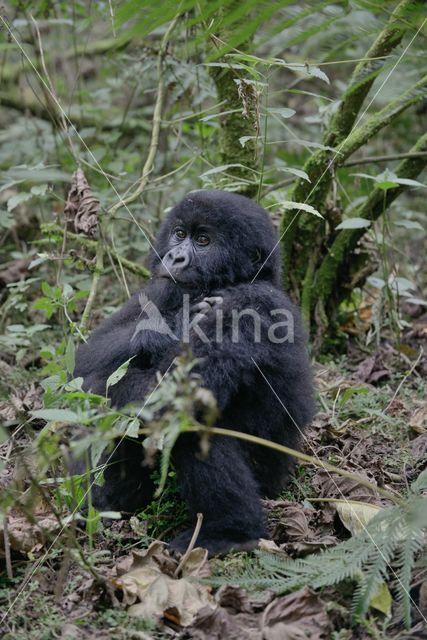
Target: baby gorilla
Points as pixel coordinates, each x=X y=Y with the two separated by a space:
x=215 y=284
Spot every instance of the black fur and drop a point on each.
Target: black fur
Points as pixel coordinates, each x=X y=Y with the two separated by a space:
x=228 y=485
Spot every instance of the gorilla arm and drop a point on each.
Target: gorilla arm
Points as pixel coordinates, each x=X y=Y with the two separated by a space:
x=119 y=338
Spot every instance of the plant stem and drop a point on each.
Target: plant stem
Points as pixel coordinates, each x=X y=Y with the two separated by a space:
x=99 y=268
x=92 y=245
x=156 y=122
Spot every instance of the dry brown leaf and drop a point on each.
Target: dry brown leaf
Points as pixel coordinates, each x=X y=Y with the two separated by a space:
x=419 y=447
x=219 y=624
x=233 y=598
x=154 y=594
x=298 y=616
x=418 y=422
x=82 y=207
x=372 y=369
x=24 y=536
x=330 y=485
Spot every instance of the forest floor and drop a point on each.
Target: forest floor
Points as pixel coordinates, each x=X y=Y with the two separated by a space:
x=371 y=421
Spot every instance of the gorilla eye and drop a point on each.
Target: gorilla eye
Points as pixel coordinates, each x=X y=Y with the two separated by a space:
x=180 y=234
x=203 y=239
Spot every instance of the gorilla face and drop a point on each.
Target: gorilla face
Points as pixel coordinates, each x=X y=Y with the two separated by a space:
x=216 y=239
x=190 y=252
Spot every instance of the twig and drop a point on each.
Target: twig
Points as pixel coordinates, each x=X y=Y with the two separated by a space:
x=191 y=545
x=248 y=437
x=393 y=156
x=99 y=268
x=50 y=95
x=282 y=183
x=404 y=379
x=156 y=122
x=7 y=549
x=83 y=241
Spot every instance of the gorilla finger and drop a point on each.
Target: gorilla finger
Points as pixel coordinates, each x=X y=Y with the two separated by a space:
x=214 y=300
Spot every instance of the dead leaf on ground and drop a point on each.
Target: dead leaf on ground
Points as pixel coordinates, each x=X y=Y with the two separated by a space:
x=233 y=598
x=329 y=485
x=153 y=593
x=298 y=616
x=219 y=624
x=372 y=369
x=24 y=536
x=418 y=422
x=419 y=447
x=20 y=402
x=294 y=530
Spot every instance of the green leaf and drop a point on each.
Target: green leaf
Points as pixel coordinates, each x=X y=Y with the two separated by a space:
x=93 y=521
x=378 y=283
x=118 y=374
x=39 y=189
x=244 y=139
x=284 y=112
x=411 y=183
x=17 y=199
x=401 y=285
x=302 y=206
x=419 y=301
x=70 y=356
x=47 y=289
x=409 y=224
x=6 y=220
x=56 y=415
x=296 y=172
x=382 y=600
x=220 y=169
x=132 y=430
x=354 y=223
x=351 y=391
x=309 y=69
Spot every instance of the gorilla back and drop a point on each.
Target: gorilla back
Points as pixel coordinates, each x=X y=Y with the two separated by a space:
x=215 y=285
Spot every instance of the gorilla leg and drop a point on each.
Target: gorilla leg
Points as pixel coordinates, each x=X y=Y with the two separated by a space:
x=221 y=487
x=127 y=486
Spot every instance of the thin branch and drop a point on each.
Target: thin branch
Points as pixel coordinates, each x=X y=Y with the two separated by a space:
x=361 y=134
x=156 y=123
x=404 y=379
x=83 y=241
x=110 y=120
x=99 y=268
x=191 y=545
x=346 y=241
x=389 y=158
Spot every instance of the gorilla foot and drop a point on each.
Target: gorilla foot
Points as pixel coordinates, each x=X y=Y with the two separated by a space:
x=218 y=544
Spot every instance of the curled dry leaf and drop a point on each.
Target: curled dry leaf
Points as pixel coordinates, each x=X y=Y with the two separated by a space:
x=419 y=447
x=26 y=537
x=329 y=485
x=233 y=598
x=298 y=616
x=220 y=624
x=82 y=207
x=145 y=578
x=418 y=422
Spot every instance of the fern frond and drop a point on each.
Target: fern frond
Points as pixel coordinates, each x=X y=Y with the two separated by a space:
x=396 y=535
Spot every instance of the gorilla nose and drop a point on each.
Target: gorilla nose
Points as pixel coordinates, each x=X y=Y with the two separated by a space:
x=176 y=260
